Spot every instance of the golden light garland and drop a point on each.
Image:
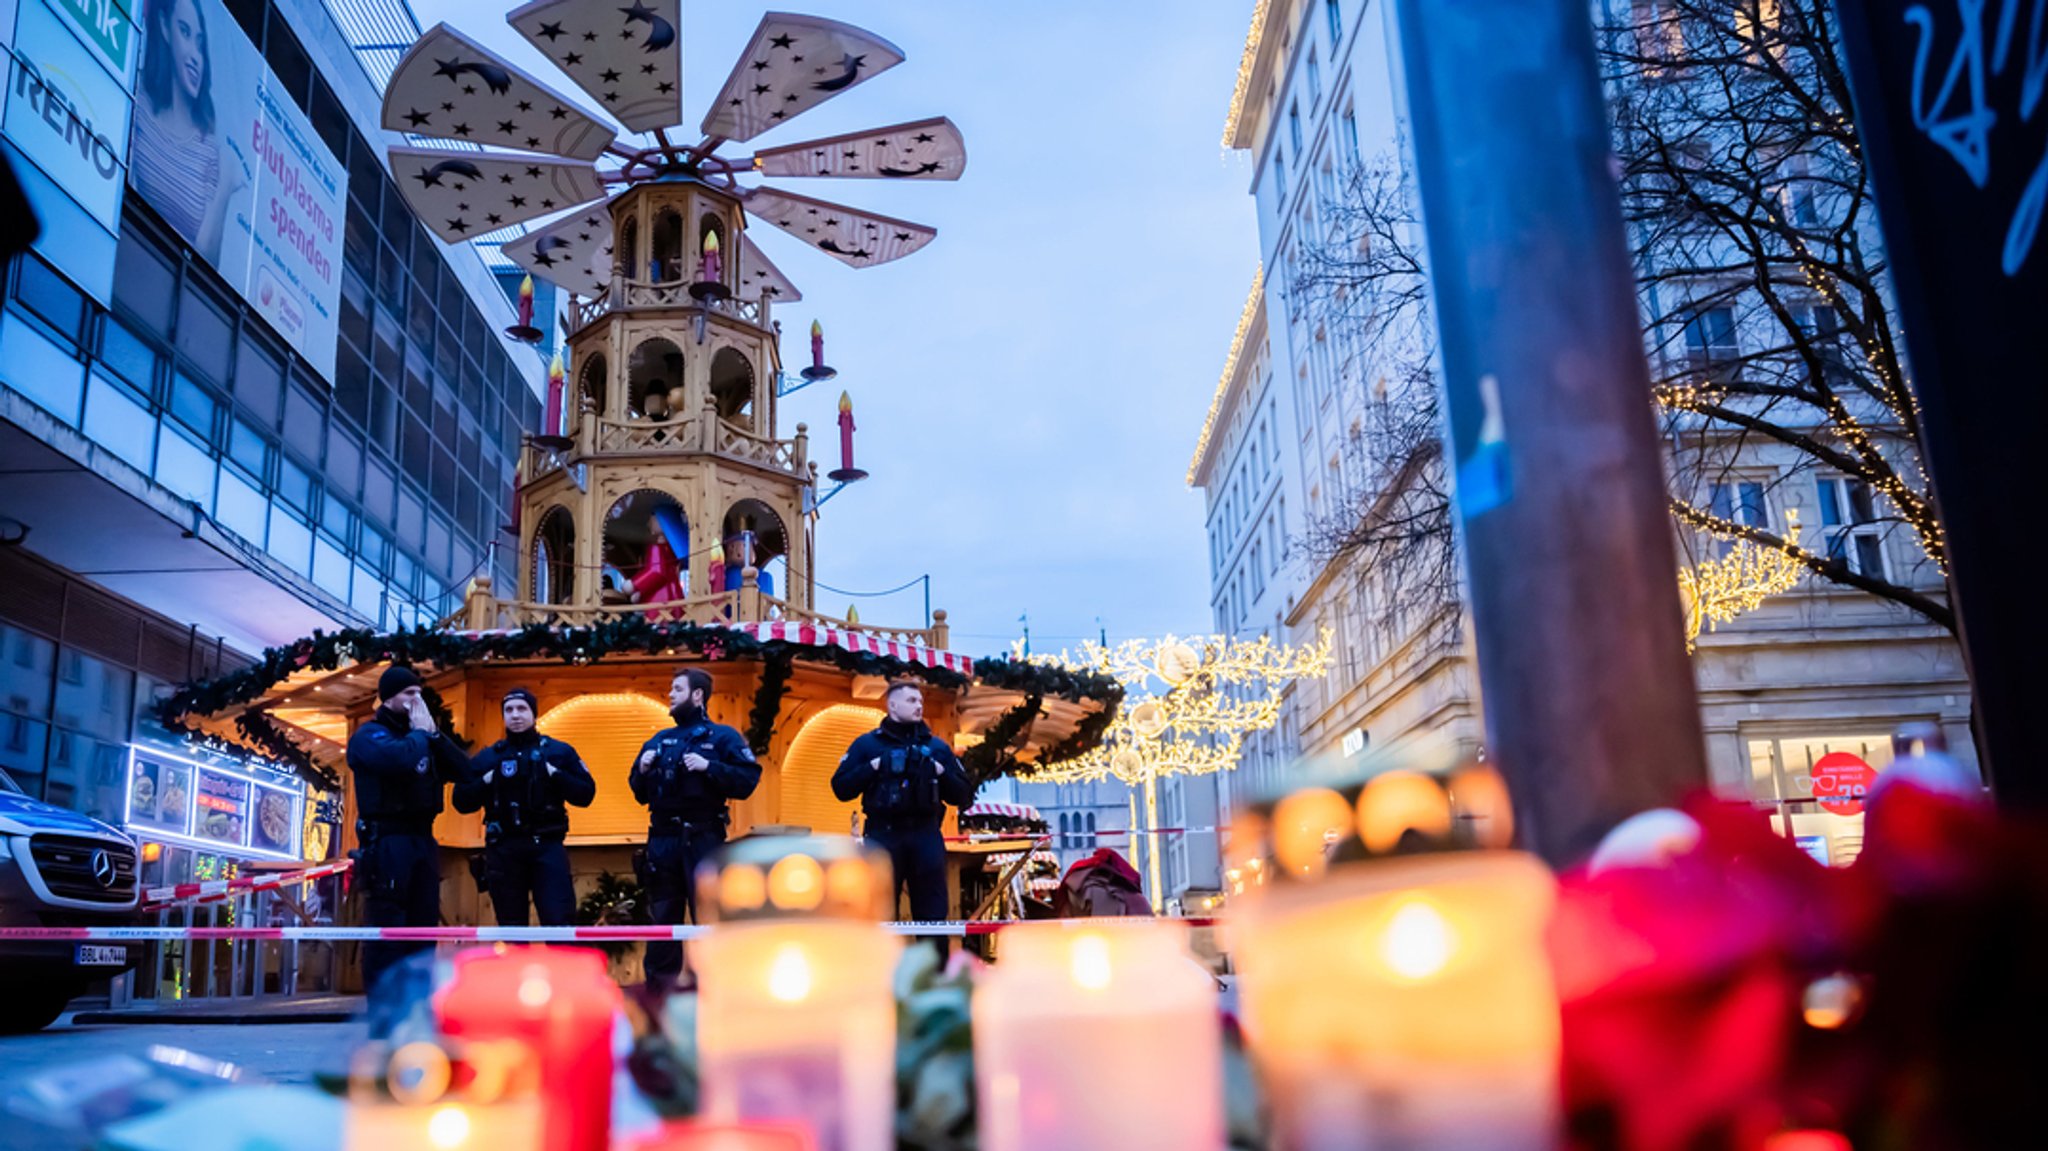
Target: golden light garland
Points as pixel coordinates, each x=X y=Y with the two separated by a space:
x=1189 y=702
x=1245 y=66
x=1244 y=323
x=1716 y=591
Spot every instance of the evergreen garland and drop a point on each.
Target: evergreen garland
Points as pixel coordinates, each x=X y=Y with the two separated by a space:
x=768 y=701
x=628 y=636
x=991 y=758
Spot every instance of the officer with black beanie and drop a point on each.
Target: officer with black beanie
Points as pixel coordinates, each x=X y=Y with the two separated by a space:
x=686 y=775
x=904 y=776
x=400 y=761
x=525 y=784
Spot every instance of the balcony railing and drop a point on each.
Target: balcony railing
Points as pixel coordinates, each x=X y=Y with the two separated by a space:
x=483 y=611
x=668 y=294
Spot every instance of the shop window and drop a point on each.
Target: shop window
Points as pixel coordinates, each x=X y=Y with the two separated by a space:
x=1814 y=787
x=205 y=335
x=145 y=285
x=127 y=355
x=41 y=290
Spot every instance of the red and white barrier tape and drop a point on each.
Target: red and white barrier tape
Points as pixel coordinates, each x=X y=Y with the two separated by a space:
x=215 y=890
x=620 y=934
x=992 y=836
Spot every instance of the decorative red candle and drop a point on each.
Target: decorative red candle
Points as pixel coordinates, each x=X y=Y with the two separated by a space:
x=714 y=568
x=551 y=424
x=712 y=266
x=559 y=1002
x=526 y=301
x=845 y=429
x=817 y=346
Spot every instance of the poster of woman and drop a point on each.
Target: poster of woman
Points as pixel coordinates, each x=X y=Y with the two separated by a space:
x=184 y=161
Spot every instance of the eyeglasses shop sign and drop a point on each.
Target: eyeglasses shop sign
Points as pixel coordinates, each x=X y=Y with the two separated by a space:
x=66 y=113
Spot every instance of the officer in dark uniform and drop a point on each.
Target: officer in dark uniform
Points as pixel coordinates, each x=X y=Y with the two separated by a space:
x=524 y=782
x=686 y=775
x=905 y=776
x=400 y=761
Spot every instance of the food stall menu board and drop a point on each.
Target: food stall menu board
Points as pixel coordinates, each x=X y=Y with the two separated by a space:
x=222 y=813
x=160 y=796
x=275 y=826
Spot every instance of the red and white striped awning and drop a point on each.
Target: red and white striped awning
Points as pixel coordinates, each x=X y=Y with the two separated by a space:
x=1006 y=810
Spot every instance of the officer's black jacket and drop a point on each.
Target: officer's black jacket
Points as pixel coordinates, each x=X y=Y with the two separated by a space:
x=857 y=774
x=528 y=800
x=399 y=772
x=670 y=789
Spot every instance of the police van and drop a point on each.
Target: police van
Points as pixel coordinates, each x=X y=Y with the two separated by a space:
x=59 y=868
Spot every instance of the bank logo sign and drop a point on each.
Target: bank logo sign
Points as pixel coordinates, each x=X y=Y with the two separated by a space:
x=66 y=112
x=226 y=157
x=107 y=26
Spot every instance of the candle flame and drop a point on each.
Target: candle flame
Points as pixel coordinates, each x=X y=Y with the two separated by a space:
x=1417 y=942
x=789 y=975
x=526 y=287
x=1089 y=963
x=796 y=883
x=710 y=241
x=449 y=1127
x=817 y=329
x=845 y=402
x=555 y=367
x=534 y=989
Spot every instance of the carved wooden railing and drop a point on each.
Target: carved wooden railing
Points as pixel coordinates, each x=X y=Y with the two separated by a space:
x=782 y=455
x=645 y=435
x=668 y=294
x=482 y=611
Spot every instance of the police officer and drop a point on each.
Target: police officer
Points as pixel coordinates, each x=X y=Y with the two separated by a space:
x=905 y=776
x=400 y=761
x=523 y=783
x=686 y=775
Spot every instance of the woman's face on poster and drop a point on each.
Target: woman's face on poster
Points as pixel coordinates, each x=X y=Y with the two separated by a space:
x=188 y=47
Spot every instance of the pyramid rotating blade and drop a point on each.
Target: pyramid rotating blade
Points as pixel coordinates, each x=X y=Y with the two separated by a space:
x=793 y=64
x=862 y=239
x=628 y=58
x=921 y=150
x=574 y=253
x=462 y=195
x=450 y=87
x=759 y=276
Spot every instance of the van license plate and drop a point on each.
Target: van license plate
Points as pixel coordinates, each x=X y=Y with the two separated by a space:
x=91 y=956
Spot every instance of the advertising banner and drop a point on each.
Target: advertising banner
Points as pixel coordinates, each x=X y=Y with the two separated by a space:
x=223 y=154
x=66 y=112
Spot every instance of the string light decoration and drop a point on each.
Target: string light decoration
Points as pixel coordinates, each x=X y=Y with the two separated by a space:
x=1716 y=591
x=1245 y=65
x=1188 y=703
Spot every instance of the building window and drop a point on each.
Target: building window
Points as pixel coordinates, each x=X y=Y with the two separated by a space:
x=1280 y=176
x=1848 y=516
x=1349 y=135
x=1813 y=786
x=1315 y=85
x=1294 y=125
x=1710 y=340
x=1334 y=9
x=1741 y=502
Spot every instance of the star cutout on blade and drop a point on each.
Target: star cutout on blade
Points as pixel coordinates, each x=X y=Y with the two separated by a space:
x=903 y=236
x=494 y=218
x=462 y=129
x=551 y=31
x=458 y=225
x=519 y=201
x=735 y=102
x=547 y=203
x=783 y=41
x=760 y=89
x=924 y=137
x=533 y=141
x=469 y=89
x=524 y=106
x=559 y=114
x=507 y=127
x=572 y=58
x=504 y=177
x=647 y=69
x=590 y=221
x=416 y=117
x=611 y=75
x=428 y=178
x=760 y=65
x=851 y=153
x=447 y=107
x=533 y=171
x=590 y=37
x=611 y=97
x=665 y=87
x=779 y=116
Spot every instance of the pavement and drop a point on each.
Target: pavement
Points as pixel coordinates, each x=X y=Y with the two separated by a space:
x=280 y=1049
x=230 y=1012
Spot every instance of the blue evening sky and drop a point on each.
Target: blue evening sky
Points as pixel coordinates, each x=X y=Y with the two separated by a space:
x=1029 y=387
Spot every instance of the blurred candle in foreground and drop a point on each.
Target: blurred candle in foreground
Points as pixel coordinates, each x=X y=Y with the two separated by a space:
x=1103 y=1037
x=1407 y=1003
x=796 y=1012
x=560 y=1002
x=712 y=266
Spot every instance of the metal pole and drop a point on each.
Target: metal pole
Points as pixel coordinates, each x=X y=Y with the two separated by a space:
x=1590 y=708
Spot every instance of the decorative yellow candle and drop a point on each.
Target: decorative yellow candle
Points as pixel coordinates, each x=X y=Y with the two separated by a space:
x=1098 y=1036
